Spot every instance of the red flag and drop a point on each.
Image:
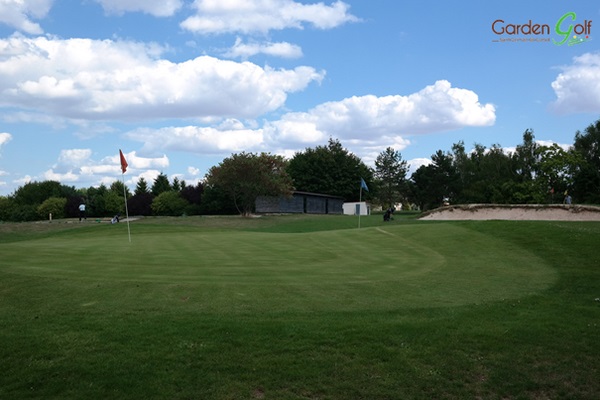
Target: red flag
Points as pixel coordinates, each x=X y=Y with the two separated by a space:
x=124 y=164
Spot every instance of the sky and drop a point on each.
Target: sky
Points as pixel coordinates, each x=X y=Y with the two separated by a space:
x=179 y=85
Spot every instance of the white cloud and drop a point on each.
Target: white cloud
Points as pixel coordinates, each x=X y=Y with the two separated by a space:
x=436 y=108
x=157 y=8
x=262 y=16
x=101 y=169
x=368 y=124
x=196 y=139
x=18 y=14
x=298 y=128
x=415 y=163
x=550 y=143
x=23 y=181
x=193 y=171
x=74 y=157
x=368 y=149
x=3 y=173
x=90 y=79
x=52 y=175
x=149 y=176
x=577 y=88
x=137 y=162
x=77 y=165
x=4 y=138
x=281 y=49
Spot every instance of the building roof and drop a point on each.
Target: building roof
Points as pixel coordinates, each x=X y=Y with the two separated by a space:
x=316 y=194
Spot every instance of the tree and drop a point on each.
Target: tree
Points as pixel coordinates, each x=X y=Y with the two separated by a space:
x=26 y=199
x=96 y=202
x=141 y=201
x=117 y=188
x=434 y=182
x=141 y=186
x=464 y=171
x=34 y=193
x=140 y=204
x=586 y=178
x=390 y=175
x=522 y=188
x=169 y=203
x=54 y=206
x=555 y=170
x=113 y=203
x=216 y=201
x=176 y=186
x=193 y=195
x=161 y=184
x=7 y=208
x=330 y=170
x=489 y=170
x=245 y=176
x=526 y=156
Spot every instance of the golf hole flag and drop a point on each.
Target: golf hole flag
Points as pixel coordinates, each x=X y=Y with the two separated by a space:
x=124 y=168
x=363 y=184
x=124 y=164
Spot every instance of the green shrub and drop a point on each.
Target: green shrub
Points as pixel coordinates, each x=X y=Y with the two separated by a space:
x=113 y=204
x=7 y=205
x=169 y=203
x=53 y=205
x=25 y=212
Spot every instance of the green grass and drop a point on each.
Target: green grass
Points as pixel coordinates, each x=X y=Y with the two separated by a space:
x=300 y=307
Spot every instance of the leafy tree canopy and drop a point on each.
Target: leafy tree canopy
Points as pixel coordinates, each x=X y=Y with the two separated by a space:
x=169 y=203
x=330 y=169
x=586 y=179
x=390 y=176
x=35 y=193
x=245 y=176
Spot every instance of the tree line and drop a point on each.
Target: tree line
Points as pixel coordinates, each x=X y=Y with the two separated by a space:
x=530 y=174
x=39 y=200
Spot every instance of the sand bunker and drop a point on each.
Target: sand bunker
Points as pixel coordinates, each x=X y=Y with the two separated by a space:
x=531 y=212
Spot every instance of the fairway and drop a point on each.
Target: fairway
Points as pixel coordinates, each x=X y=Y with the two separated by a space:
x=385 y=267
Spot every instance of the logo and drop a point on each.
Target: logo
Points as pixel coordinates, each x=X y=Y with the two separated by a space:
x=567 y=30
x=579 y=30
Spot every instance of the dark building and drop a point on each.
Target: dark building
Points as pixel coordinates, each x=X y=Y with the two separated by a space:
x=300 y=202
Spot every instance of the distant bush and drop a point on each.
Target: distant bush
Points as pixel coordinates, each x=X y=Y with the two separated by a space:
x=27 y=212
x=169 y=203
x=53 y=205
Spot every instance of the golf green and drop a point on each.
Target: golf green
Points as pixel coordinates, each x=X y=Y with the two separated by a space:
x=376 y=268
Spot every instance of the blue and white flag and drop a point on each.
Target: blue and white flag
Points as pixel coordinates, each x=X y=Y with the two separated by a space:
x=363 y=184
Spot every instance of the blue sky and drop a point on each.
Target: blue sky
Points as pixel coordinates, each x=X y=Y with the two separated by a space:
x=179 y=85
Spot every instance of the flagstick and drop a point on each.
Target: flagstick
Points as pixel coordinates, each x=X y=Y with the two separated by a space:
x=359 y=205
x=126 y=211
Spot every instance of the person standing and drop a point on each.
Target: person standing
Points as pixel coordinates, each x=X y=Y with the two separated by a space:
x=82 y=212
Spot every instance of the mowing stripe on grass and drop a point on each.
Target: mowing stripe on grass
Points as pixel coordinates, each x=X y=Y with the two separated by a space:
x=376 y=268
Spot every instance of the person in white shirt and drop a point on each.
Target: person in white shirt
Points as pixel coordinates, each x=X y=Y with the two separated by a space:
x=82 y=212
